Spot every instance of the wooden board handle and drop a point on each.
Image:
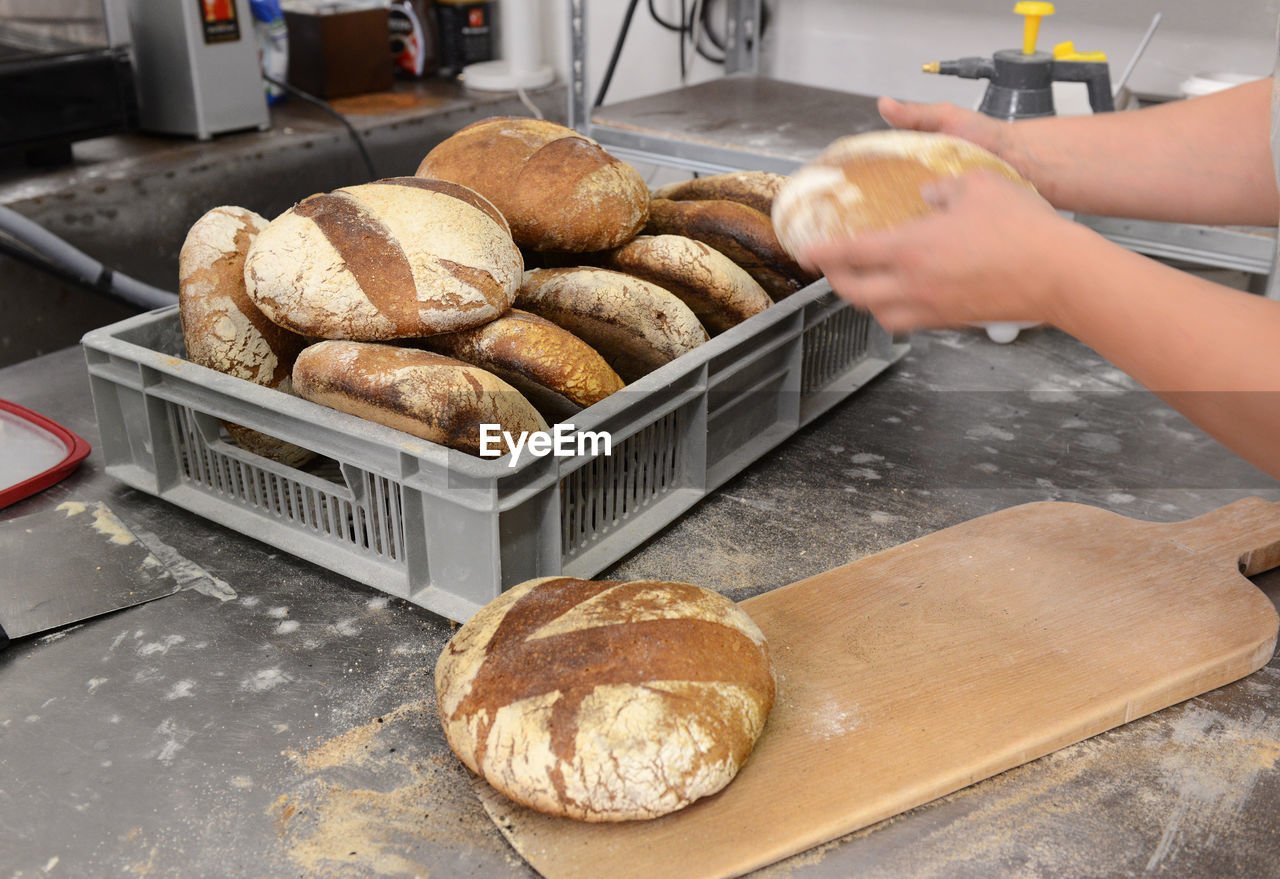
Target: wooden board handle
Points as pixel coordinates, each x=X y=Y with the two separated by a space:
x=1247 y=533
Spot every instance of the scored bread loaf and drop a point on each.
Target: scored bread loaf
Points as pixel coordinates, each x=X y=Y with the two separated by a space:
x=635 y=325
x=558 y=189
x=605 y=701
x=755 y=189
x=872 y=181
x=223 y=329
x=714 y=287
x=555 y=370
x=422 y=393
x=742 y=233
x=401 y=257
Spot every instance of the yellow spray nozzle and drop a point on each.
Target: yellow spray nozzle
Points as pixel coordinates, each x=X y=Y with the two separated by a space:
x=1067 y=52
x=1031 y=23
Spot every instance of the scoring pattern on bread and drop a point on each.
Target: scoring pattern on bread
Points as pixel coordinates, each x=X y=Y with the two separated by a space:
x=396 y=258
x=605 y=701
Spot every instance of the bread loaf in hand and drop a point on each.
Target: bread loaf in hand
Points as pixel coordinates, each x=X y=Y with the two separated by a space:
x=425 y=394
x=559 y=190
x=636 y=326
x=397 y=258
x=755 y=189
x=605 y=701
x=223 y=329
x=739 y=232
x=555 y=370
x=715 y=288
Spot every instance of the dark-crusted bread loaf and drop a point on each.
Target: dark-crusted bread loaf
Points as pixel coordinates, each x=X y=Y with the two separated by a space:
x=714 y=287
x=555 y=370
x=422 y=393
x=872 y=181
x=605 y=701
x=754 y=189
x=739 y=232
x=395 y=258
x=636 y=326
x=558 y=190
x=223 y=329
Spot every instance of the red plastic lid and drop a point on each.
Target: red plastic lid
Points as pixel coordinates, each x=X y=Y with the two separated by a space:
x=35 y=452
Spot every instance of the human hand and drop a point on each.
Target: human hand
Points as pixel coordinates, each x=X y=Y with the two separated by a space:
x=990 y=251
x=990 y=134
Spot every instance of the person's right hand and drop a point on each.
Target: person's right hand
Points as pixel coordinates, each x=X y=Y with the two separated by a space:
x=988 y=133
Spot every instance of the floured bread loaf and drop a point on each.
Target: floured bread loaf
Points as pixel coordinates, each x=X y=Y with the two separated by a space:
x=223 y=329
x=714 y=287
x=755 y=189
x=395 y=258
x=636 y=326
x=605 y=701
x=425 y=394
x=558 y=190
x=872 y=181
x=742 y=233
x=555 y=370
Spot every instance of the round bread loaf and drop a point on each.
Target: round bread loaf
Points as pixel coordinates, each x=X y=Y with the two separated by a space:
x=636 y=326
x=742 y=233
x=555 y=370
x=395 y=258
x=755 y=189
x=558 y=190
x=605 y=701
x=714 y=287
x=223 y=329
x=872 y=181
x=422 y=393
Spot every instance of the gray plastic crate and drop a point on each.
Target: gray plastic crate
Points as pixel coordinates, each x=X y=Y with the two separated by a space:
x=441 y=528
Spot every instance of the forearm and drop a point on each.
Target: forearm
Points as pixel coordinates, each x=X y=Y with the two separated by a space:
x=1209 y=351
x=1205 y=160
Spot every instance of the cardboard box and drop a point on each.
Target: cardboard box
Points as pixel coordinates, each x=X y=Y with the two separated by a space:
x=341 y=53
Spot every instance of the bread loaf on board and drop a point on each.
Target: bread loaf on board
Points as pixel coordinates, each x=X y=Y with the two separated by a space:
x=395 y=258
x=872 y=181
x=755 y=189
x=555 y=370
x=714 y=287
x=558 y=190
x=223 y=329
x=605 y=701
x=425 y=394
x=739 y=232
x=636 y=326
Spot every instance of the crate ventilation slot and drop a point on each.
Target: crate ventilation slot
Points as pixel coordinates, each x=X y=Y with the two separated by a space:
x=832 y=346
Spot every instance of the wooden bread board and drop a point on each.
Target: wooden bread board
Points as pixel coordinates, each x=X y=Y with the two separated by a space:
x=917 y=671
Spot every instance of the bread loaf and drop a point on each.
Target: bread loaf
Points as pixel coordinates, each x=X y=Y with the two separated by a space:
x=872 y=181
x=714 y=287
x=425 y=394
x=223 y=329
x=739 y=232
x=636 y=326
x=558 y=190
x=555 y=370
x=396 y=258
x=605 y=701
x=755 y=189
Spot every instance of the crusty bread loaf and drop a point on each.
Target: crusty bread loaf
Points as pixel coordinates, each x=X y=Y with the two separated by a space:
x=223 y=329
x=395 y=258
x=872 y=181
x=559 y=190
x=422 y=393
x=755 y=189
x=714 y=287
x=555 y=370
x=605 y=701
x=739 y=232
x=636 y=326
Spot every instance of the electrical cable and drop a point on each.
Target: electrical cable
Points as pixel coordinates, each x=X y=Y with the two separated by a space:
x=324 y=105
x=617 y=52
x=684 y=73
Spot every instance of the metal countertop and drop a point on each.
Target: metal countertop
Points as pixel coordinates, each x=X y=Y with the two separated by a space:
x=276 y=719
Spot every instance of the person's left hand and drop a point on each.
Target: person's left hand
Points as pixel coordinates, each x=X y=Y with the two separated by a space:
x=991 y=251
